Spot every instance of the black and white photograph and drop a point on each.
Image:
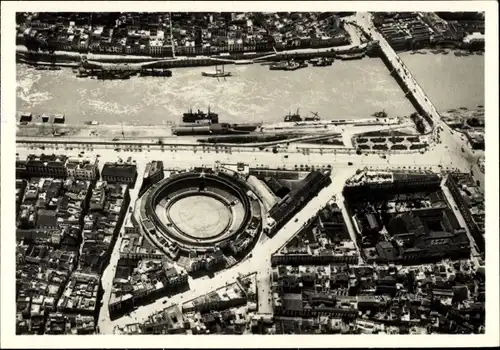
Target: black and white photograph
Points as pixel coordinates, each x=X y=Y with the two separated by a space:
x=243 y=169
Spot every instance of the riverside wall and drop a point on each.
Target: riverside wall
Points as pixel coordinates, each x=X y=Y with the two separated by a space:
x=67 y=58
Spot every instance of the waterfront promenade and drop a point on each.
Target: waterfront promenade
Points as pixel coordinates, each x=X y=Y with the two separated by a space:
x=122 y=58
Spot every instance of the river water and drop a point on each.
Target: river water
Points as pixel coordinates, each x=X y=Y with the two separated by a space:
x=450 y=81
x=349 y=89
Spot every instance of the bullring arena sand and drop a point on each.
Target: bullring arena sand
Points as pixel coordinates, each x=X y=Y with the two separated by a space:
x=200 y=216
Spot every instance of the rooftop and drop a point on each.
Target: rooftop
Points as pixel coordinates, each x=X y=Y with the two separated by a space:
x=119 y=170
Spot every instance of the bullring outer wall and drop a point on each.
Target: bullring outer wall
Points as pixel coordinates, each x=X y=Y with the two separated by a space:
x=155 y=229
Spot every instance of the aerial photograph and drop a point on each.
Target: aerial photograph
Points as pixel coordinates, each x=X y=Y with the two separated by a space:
x=250 y=173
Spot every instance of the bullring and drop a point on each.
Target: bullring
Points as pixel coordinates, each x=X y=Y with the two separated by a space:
x=196 y=211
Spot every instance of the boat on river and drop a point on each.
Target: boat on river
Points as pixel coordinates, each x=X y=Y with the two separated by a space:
x=290 y=65
x=47 y=68
x=295 y=117
x=197 y=117
x=246 y=126
x=323 y=62
x=219 y=73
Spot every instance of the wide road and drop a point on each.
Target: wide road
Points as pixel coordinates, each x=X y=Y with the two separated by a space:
x=436 y=158
x=110 y=271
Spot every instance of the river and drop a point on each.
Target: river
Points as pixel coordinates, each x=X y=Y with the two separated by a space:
x=348 y=89
x=449 y=81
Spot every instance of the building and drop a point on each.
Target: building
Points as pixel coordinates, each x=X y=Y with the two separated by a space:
x=460 y=186
x=47 y=165
x=25 y=117
x=20 y=191
x=21 y=170
x=120 y=173
x=46 y=219
x=332 y=222
x=276 y=187
x=80 y=295
x=224 y=298
x=136 y=246
x=98 y=197
x=138 y=282
x=153 y=173
x=295 y=200
x=424 y=248
x=83 y=169
x=59 y=119
x=169 y=321
x=373 y=183
x=292 y=301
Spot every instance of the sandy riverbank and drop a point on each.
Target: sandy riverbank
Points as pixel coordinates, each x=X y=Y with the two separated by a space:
x=102 y=131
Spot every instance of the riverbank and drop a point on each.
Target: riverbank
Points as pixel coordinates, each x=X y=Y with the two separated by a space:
x=69 y=56
x=46 y=63
x=92 y=132
x=36 y=128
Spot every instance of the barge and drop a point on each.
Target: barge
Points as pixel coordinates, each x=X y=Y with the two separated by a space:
x=211 y=129
x=290 y=65
x=155 y=72
x=47 y=68
x=246 y=127
x=352 y=56
x=323 y=62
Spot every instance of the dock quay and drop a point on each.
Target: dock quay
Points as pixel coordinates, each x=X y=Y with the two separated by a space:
x=51 y=144
x=67 y=57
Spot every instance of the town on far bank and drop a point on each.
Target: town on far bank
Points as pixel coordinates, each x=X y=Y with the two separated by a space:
x=184 y=34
